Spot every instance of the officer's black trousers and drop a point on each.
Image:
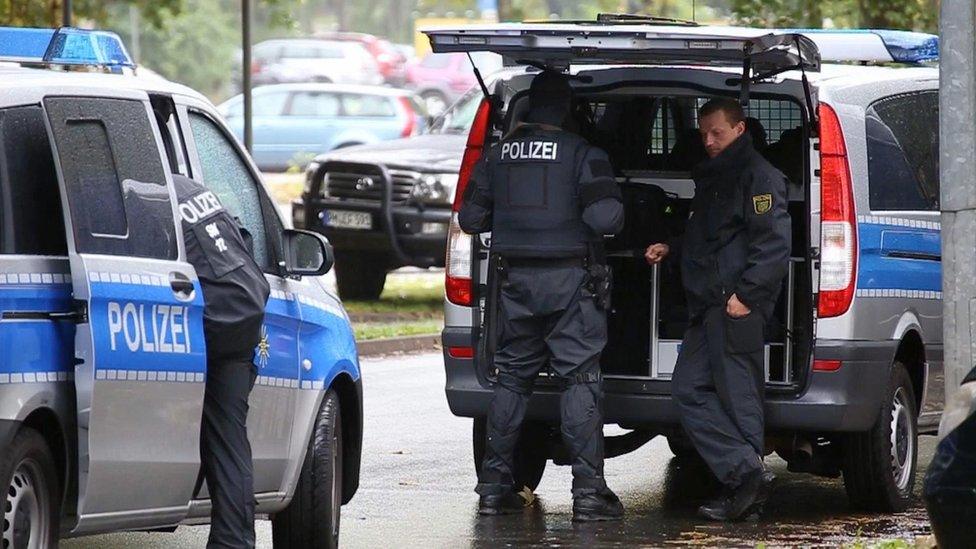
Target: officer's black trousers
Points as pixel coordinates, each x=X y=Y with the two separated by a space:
x=545 y=318
x=718 y=387
x=226 y=453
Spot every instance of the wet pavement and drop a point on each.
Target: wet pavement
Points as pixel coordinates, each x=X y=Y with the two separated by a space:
x=418 y=478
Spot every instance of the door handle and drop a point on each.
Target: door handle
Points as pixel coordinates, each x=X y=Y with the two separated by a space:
x=182 y=286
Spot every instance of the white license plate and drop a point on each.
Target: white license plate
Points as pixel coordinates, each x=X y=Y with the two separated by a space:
x=349 y=220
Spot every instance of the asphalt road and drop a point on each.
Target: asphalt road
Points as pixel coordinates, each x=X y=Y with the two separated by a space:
x=418 y=479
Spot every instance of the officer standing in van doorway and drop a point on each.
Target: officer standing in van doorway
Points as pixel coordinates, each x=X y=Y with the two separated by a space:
x=235 y=293
x=549 y=198
x=734 y=255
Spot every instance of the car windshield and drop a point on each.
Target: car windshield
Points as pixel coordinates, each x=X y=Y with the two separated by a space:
x=458 y=119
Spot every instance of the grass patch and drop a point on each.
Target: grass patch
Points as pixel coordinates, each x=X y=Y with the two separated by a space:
x=284 y=187
x=372 y=330
x=405 y=296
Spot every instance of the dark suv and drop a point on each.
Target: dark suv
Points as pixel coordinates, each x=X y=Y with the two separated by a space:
x=387 y=205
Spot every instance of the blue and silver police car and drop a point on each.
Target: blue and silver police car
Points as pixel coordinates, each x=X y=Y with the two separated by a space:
x=102 y=358
x=854 y=360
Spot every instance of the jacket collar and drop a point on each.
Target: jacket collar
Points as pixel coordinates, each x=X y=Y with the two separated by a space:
x=735 y=157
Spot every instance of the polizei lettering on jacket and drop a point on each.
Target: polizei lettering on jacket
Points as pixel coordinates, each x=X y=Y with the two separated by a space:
x=149 y=328
x=530 y=150
x=199 y=207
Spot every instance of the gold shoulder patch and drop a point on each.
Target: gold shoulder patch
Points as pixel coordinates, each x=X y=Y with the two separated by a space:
x=762 y=203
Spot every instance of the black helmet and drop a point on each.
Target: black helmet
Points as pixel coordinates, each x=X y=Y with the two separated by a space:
x=550 y=98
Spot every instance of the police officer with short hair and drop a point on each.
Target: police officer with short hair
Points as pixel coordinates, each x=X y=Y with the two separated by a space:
x=235 y=293
x=734 y=255
x=548 y=197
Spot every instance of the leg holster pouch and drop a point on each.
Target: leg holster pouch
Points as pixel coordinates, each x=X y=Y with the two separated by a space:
x=599 y=285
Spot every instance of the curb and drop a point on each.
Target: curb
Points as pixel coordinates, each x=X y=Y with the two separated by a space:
x=391 y=345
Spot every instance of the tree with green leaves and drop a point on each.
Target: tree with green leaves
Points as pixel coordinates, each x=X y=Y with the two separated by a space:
x=894 y=14
x=47 y=13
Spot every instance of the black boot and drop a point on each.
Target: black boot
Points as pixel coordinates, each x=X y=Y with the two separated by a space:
x=507 y=503
x=744 y=503
x=597 y=506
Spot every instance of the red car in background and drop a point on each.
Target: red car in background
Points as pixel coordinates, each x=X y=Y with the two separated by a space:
x=440 y=78
x=392 y=63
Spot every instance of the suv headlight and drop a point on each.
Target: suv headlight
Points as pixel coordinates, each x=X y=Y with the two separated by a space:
x=310 y=170
x=435 y=188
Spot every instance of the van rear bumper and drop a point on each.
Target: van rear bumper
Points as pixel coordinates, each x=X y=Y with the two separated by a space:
x=846 y=400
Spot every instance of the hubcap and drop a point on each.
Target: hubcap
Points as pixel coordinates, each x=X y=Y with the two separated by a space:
x=902 y=441
x=25 y=525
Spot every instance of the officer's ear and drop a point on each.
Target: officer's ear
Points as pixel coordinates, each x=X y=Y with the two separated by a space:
x=739 y=128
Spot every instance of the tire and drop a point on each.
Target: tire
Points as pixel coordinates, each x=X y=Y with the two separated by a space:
x=29 y=480
x=531 y=452
x=360 y=276
x=879 y=467
x=311 y=520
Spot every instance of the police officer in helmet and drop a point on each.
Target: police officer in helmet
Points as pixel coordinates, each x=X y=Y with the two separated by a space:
x=734 y=255
x=548 y=198
x=235 y=293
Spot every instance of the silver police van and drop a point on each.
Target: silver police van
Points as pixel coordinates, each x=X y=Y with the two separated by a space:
x=103 y=363
x=854 y=360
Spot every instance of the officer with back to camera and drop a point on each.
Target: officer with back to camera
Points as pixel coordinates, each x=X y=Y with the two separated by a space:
x=235 y=293
x=734 y=255
x=548 y=198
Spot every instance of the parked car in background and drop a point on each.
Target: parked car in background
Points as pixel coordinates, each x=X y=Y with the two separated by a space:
x=345 y=199
x=312 y=60
x=440 y=78
x=295 y=122
x=391 y=62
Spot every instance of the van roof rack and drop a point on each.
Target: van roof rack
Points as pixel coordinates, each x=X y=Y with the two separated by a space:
x=65 y=46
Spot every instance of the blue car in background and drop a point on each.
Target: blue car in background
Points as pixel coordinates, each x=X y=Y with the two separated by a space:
x=294 y=122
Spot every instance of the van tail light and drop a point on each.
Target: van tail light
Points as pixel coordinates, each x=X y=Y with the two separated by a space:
x=458 y=277
x=838 y=224
x=410 y=128
x=458 y=261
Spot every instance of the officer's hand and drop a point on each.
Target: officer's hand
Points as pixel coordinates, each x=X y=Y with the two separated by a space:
x=736 y=308
x=656 y=253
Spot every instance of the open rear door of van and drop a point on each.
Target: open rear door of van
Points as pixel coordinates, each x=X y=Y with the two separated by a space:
x=558 y=45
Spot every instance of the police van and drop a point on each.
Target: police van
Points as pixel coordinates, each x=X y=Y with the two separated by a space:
x=854 y=359
x=101 y=318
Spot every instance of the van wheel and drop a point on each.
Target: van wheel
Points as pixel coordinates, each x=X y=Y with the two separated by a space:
x=311 y=520
x=531 y=452
x=360 y=275
x=31 y=502
x=879 y=465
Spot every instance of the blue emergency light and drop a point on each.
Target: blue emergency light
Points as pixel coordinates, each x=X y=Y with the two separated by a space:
x=63 y=46
x=902 y=46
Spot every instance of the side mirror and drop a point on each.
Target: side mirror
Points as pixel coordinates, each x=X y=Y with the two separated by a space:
x=307 y=253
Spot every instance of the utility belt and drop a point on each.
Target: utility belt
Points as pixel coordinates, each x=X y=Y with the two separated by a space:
x=599 y=280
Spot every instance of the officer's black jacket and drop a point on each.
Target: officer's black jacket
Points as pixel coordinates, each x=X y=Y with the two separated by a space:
x=235 y=291
x=552 y=198
x=737 y=240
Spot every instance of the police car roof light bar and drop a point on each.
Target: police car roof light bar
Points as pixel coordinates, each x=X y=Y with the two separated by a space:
x=902 y=46
x=66 y=46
